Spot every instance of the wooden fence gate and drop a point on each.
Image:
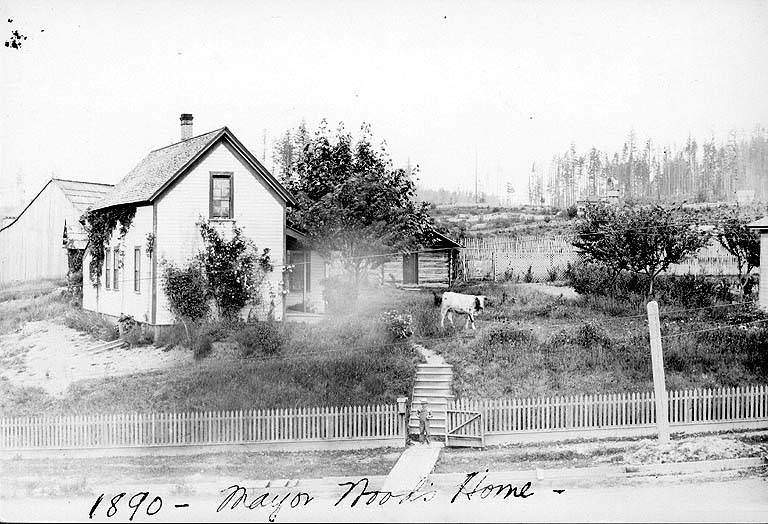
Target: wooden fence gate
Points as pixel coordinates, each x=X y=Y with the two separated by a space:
x=464 y=428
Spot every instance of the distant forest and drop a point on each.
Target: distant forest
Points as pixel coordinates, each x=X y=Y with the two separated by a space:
x=696 y=172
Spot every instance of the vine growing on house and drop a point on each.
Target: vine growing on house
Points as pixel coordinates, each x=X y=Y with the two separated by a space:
x=99 y=225
x=234 y=269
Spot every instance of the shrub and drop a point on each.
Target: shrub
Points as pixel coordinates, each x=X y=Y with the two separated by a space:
x=91 y=323
x=398 y=325
x=264 y=337
x=552 y=274
x=201 y=346
x=170 y=335
x=234 y=270
x=134 y=333
x=75 y=287
x=187 y=293
x=528 y=275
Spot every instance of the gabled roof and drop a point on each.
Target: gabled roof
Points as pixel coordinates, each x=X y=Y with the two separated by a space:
x=80 y=194
x=155 y=173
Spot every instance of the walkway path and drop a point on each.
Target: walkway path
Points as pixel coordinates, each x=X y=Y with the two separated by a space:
x=567 y=292
x=430 y=356
x=414 y=465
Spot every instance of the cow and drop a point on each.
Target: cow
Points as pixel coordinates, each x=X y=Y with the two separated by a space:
x=460 y=304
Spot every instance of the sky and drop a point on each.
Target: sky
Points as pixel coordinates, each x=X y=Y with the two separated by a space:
x=446 y=84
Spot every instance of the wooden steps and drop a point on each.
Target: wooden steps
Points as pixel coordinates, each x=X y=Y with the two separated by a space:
x=433 y=384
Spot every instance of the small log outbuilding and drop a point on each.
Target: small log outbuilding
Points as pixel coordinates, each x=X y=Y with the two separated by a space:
x=434 y=264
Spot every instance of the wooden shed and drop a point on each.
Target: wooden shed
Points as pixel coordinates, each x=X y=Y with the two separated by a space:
x=35 y=244
x=432 y=264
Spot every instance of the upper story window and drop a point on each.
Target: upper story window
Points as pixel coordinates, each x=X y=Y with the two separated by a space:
x=221 y=195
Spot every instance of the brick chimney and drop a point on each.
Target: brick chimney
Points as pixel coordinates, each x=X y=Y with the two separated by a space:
x=186 y=126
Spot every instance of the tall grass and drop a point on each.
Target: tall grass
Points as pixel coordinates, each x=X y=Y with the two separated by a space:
x=543 y=346
x=30 y=302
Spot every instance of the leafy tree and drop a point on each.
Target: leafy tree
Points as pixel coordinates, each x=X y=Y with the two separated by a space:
x=352 y=201
x=598 y=239
x=655 y=238
x=187 y=291
x=234 y=270
x=741 y=242
x=641 y=239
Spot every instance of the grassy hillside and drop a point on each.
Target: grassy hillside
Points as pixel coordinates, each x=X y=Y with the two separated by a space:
x=347 y=359
x=544 y=346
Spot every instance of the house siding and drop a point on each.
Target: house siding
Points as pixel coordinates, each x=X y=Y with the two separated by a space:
x=763 y=286
x=31 y=247
x=258 y=211
x=124 y=300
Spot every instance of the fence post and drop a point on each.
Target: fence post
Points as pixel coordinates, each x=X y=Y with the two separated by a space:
x=657 y=362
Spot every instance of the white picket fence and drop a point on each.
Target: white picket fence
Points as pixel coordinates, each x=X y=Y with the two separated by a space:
x=618 y=410
x=493 y=257
x=200 y=427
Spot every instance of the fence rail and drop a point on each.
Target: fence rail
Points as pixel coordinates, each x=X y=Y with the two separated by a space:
x=201 y=427
x=548 y=257
x=618 y=410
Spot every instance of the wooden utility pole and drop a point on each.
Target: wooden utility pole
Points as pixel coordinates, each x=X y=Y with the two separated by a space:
x=657 y=362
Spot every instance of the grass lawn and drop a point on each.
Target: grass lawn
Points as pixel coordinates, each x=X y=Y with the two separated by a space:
x=345 y=360
x=538 y=345
x=542 y=345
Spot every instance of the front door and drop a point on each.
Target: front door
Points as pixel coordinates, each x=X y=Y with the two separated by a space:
x=411 y=268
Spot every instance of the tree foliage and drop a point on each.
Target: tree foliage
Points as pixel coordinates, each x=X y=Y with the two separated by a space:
x=640 y=239
x=700 y=171
x=741 y=242
x=187 y=291
x=352 y=201
x=234 y=270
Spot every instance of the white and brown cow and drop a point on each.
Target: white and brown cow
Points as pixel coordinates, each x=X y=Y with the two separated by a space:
x=460 y=304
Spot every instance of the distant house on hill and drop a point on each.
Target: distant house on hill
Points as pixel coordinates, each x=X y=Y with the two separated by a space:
x=31 y=246
x=611 y=196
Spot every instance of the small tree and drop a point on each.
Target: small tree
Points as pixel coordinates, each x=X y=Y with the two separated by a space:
x=641 y=239
x=234 y=270
x=741 y=242
x=655 y=238
x=187 y=293
x=598 y=239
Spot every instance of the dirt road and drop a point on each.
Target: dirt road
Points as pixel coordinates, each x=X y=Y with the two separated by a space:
x=682 y=499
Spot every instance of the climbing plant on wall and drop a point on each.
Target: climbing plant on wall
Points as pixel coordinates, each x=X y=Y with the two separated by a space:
x=99 y=225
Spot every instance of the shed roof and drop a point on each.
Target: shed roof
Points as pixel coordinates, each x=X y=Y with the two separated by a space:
x=161 y=167
x=81 y=194
x=759 y=224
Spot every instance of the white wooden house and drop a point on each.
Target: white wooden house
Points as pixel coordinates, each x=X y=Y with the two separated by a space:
x=212 y=177
x=761 y=227
x=35 y=243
